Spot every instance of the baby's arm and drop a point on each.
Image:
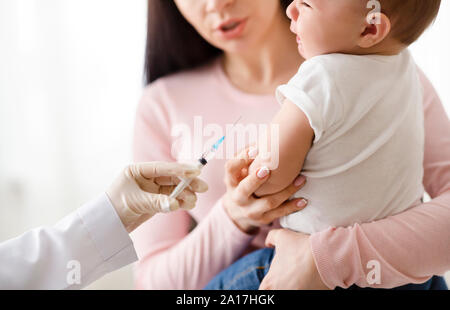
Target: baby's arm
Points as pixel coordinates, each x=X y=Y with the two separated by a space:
x=294 y=141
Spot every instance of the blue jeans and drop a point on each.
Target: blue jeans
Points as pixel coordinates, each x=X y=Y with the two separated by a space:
x=248 y=272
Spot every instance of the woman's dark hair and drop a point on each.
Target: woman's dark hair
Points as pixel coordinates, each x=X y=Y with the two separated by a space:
x=173 y=44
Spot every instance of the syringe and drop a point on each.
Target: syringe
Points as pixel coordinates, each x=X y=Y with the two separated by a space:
x=203 y=160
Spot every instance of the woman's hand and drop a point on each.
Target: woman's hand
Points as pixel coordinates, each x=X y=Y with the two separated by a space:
x=246 y=210
x=142 y=190
x=293 y=266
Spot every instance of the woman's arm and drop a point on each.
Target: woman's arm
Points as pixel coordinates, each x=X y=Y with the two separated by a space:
x=173 y=258
x=170 y=256
x=410 y=247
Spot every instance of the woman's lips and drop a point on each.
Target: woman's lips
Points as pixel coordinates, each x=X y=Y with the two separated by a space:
x=299 y=40
x=232 y=28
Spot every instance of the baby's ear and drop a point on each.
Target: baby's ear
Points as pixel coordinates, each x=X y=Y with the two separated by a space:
x=377 y=28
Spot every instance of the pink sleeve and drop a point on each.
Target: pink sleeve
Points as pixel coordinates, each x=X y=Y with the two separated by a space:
x=170 y=256
x=410 y=247
x=179 y=261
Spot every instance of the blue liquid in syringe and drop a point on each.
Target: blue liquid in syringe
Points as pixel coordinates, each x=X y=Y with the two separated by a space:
x=218 y=143
x=212 y=151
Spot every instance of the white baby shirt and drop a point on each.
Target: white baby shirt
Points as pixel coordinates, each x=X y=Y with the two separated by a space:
x=366 y=162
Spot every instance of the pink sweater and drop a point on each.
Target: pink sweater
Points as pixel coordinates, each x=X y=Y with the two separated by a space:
x=410 y=246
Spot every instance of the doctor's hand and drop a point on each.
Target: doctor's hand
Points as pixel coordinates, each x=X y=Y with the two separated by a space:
x=143 y=189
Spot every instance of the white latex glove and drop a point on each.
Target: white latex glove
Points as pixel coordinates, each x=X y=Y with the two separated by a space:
x=143 y=189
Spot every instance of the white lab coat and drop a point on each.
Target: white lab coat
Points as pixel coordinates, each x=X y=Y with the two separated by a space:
x=78 y=250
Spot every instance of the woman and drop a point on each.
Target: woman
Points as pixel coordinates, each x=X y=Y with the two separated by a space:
x=253 y=53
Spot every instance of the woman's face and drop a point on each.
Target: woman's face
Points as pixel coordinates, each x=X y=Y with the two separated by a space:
x=232 y=25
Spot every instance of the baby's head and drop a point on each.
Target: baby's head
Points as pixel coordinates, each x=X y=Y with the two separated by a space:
x=348 y=26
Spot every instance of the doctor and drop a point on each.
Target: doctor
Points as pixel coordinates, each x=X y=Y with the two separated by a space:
x=94 y=240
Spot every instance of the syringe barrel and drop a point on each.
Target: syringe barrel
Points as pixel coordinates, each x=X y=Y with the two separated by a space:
x=185 y=182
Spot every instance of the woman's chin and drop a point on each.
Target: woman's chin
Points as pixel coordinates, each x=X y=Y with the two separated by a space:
x=235 y=46
x=249 y=42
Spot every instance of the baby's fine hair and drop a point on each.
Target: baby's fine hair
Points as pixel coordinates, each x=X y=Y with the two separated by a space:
x=410 y=18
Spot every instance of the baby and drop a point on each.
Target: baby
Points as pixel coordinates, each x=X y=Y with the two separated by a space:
x=351 y=120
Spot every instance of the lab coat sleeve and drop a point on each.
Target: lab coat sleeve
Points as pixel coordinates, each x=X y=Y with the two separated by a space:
x=78 y=250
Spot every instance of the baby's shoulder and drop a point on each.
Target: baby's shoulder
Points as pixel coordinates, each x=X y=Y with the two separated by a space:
x=334 y=64
x=322 y=73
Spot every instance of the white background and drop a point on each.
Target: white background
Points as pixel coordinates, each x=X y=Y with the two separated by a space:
x=70 y=80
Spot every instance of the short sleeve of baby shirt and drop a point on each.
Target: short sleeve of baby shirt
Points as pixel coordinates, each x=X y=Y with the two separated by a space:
x=313 y=90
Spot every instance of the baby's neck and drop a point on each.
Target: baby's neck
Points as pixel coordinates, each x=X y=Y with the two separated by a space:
x=385 y=48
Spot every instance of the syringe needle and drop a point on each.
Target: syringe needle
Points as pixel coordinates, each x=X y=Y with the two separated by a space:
x=236 y=122
x=206 y=156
